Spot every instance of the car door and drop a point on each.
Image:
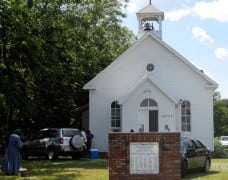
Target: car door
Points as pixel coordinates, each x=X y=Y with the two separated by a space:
x=47 y=138
x=192 y=155
x=201 y=151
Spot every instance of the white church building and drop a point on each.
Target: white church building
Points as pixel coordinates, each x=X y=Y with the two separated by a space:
x=151 y=88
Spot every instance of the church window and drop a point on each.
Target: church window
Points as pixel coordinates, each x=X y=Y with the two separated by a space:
x=115 y=116
x=150 y=67
x=148 y=103
x=186 y=116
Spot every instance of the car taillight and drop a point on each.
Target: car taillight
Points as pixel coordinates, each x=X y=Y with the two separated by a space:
x=61 y=141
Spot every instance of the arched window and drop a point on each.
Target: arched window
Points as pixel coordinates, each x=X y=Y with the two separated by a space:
x=148 y=103
x=115 y=116
x=186 y=116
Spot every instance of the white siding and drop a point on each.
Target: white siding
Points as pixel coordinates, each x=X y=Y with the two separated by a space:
x=170 y=72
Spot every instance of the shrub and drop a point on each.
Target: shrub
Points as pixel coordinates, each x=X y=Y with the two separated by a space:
x=219 y=152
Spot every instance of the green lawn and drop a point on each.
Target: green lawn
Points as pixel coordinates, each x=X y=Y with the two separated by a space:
x=64 y=169
x=219 y=170
x=96 y=169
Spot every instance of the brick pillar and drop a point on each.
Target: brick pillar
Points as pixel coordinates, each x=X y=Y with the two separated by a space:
x=168 y=150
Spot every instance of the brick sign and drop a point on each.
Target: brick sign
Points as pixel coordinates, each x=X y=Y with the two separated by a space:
x=144 y=156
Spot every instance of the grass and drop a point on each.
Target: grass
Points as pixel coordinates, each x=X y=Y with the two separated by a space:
x=96 y=169
x=219 y=170
x=64 y=169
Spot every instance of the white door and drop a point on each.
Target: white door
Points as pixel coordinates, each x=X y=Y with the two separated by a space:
x=143 y=120
x=148 y=116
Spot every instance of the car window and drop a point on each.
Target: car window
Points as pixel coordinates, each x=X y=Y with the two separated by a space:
x=69 y=132
x=48 y=134
x=185 y=145
x=199 y=145
x=224 y=138
x=192 y=144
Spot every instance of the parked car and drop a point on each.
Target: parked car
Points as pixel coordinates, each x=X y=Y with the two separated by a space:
x=53 y=142
x=223 y=141
x=194 y=155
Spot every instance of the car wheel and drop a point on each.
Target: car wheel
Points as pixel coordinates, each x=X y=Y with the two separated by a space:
x=207 y=166
x=184 y=167
x=76 y=142
x=51 y=155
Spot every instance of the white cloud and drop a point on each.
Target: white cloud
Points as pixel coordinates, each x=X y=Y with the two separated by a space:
x=221 y=53
x=217 y=9
x=164 y=5
x=177 y=14
x=135 y=5
x=131 y=7
x=224 y=95
x=201 y=35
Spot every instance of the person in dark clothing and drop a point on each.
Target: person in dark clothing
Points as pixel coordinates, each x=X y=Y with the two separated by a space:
x=89 y=137
x=12 y=159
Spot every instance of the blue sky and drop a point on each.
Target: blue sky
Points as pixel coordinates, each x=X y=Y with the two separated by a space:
x=198 y=30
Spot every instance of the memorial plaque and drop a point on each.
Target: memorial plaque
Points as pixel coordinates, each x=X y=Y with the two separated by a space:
x=144 y=158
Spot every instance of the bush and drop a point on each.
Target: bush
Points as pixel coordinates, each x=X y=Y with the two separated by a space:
x=219 y=152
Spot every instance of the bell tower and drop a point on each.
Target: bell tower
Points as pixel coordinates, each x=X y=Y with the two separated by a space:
x=150 y=20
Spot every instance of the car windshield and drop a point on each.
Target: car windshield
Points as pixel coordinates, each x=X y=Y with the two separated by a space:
x=70 y=132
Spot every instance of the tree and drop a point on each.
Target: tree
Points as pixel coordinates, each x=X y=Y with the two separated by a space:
x=221 y=117
x=16 y=59
x=217 y=95
x=49 y=50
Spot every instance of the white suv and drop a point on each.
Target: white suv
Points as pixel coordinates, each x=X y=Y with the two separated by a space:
x=223 y=141
x=53 y=142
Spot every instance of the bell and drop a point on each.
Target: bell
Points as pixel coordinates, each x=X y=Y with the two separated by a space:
x=147 y=27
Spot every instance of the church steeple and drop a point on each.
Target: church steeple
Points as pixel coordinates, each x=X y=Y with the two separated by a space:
x=150 y=20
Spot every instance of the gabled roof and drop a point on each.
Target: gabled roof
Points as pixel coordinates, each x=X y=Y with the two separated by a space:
x=150 y=9
x=152 y=81
x=211 y=83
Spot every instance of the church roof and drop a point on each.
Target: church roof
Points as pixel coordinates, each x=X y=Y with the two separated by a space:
x=150 y=9
x=210 y=83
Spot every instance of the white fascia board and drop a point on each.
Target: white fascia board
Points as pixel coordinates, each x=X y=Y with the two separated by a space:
x=211 y=86
x=89 y=86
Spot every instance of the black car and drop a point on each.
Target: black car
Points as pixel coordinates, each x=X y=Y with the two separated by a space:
x=194 y=155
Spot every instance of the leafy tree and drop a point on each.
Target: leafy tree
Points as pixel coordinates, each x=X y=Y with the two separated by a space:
x=48 y=51
x=16 y=60
x=221 y=117
x=217 y=95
